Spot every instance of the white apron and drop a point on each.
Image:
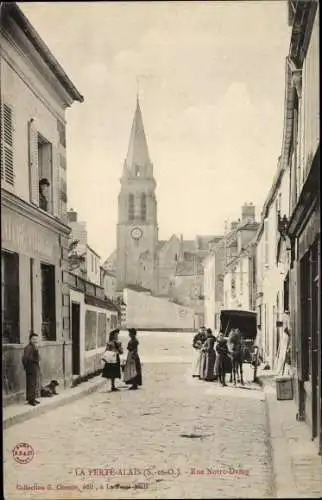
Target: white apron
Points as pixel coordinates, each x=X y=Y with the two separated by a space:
x=196 y=363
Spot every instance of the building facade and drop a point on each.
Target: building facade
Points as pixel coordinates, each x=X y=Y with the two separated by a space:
x=239 y=270
x=272 y=261
x=303 y=228
x=214 y=284
x=35 y=92
x=93 y=316
x=108 y=282
x=93 y=266
x=83 y=260
x=239 y=281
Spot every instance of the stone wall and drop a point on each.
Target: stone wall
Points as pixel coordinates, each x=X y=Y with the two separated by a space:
x=145 y=312
x=55 y=363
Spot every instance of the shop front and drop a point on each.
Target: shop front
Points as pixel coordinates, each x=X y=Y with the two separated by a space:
x=33 y=293
x=304 y=229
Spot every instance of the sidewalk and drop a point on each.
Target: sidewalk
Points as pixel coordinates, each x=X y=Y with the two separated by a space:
x=17 y=413
x=296 y=464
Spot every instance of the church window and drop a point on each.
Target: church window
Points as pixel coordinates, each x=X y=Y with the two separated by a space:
x=137 y=172
x=143 y=207
x=131 y=207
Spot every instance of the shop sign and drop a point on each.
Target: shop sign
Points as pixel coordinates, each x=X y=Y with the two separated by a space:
x=28 y=238
x=308 y=235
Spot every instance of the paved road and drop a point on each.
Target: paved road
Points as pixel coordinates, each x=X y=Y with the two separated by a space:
x=179 y=437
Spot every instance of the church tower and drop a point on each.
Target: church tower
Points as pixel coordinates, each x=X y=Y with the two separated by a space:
x=137 y=229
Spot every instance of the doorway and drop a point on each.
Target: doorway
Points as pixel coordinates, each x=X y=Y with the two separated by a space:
x=76 y=338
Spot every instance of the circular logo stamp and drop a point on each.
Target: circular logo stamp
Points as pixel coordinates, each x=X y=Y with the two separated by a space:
x=23 y=453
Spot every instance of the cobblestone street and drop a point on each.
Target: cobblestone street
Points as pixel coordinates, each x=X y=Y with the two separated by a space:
x=174 y=433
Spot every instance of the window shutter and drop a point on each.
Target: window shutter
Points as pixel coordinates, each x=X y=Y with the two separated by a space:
x=7 y=151
x=33 y=162
x=56 y=181
x=297 y=317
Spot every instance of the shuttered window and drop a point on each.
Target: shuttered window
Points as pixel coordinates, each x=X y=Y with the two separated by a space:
x=143 y=207
x=7 y=144
x=131 y=207
x=33 y=162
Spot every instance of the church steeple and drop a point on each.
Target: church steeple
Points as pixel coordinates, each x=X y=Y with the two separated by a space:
x=137 y=228
x=138 y=154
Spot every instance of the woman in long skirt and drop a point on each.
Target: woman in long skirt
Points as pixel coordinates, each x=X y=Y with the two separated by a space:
x=197 y=344
x=133 y=362
x=222 y=359
x=112 y=371
x=208 y=358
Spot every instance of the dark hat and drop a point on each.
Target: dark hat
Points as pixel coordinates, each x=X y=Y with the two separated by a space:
x=33 y=334
x=113 y=333
x=132 y=331
x=209 y=330
x=44 y=182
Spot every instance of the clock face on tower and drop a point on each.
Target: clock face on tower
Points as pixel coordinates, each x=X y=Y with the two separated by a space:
x=136 y=233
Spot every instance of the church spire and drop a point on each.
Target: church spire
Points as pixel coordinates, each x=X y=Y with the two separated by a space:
x=138 y=154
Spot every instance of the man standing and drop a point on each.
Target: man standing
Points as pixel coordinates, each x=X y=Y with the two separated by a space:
x=30 y=361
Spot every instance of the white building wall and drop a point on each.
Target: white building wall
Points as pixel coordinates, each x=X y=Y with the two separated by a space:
x=310 y=102
x=93 y=263
x=209 y=291
x=270 y=274
x=240 y=274
x=29 y=98
x=90 y=360
x=109 y=284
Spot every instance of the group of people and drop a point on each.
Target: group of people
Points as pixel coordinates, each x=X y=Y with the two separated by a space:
x=212 y=356
x=132 y=372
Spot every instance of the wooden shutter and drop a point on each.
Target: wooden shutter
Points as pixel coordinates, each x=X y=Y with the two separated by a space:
x=33 y=163
x=7 y=151
x=55 y=181
x=298 y=320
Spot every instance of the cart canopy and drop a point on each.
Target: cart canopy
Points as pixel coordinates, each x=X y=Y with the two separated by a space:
x=244 y=320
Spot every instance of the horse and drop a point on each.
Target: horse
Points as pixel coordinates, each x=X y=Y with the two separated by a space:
x=235 y=348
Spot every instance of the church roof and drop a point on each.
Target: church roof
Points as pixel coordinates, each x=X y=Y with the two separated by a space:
x=138 y=153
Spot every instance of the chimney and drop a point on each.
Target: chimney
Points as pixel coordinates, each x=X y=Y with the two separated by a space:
x=72 y=216
x=248 y=212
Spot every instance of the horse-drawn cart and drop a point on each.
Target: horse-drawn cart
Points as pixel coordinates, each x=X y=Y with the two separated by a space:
x=246 y=322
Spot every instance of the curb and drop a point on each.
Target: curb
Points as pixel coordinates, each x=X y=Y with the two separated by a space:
x=53 y=404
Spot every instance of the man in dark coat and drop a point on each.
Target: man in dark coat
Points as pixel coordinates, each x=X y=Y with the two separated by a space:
x=30 y=361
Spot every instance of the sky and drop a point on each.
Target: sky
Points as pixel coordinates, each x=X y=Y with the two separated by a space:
x=211 y=87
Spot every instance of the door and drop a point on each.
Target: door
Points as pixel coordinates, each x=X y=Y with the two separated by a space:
x=76 y=338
